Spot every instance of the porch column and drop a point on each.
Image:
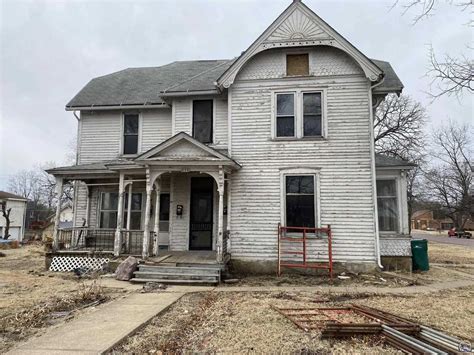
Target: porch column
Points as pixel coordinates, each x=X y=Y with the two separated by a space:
x=118 y=231
x=156 y=244
x=59 y=194
x=220 y=221
x=129 y=216
x=146 y=232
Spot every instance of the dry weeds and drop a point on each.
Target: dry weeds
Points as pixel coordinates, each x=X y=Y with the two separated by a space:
x=450 y=254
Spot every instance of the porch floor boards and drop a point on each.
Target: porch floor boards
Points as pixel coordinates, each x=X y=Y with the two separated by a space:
x=184 y=257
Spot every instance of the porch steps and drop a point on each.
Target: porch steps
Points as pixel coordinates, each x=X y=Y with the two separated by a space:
x=167 y=274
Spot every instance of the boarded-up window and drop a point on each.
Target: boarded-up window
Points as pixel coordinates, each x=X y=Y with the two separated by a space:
x=297 y=64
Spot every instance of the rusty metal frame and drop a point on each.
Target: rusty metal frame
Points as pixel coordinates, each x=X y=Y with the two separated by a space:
x=303 y=240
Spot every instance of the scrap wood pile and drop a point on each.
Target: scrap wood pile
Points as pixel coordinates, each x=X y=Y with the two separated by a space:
x=356 y=320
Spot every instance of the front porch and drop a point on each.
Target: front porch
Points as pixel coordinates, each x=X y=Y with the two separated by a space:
x=175 y=198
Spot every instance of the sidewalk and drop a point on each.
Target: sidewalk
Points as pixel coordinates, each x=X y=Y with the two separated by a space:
x=100 y=329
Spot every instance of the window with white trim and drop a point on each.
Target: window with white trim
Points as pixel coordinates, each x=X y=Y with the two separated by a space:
x=387 y=205
x=109 y=209
x=300 y=209
x=299 y=114
x=285 y=115
x=130 y=133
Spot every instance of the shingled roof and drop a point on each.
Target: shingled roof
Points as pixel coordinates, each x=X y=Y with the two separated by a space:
x=8 y=195
x=147 y=86
x=384 y=161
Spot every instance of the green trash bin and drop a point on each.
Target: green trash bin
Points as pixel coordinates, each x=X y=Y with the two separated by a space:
x=419 y=252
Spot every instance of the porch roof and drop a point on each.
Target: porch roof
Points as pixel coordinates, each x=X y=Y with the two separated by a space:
x=179 y=150
x=386 y=162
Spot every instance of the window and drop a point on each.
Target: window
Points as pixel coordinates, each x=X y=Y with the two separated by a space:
x=108 y=210
x=297 y=64
x=130 y=134
x=285 y=115
x=387 y=205
x=312 y=114
x=299 y=201
x=135 y=211
x=164 y=212
x=298 y=114
x=202 y=120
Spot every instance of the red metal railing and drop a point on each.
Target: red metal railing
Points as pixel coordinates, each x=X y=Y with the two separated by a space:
x=299 y=235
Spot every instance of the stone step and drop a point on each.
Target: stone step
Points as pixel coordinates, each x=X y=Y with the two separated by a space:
x=182 y=276
x=175 y=282
x=179 y=270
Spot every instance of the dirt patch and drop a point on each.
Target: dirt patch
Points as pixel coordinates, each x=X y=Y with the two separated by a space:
x=450 y=254
x=32 y=299
x=244 y=322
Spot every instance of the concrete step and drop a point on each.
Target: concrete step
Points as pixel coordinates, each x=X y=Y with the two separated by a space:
x=181 y=276
x=179 y=270
x=175 y=282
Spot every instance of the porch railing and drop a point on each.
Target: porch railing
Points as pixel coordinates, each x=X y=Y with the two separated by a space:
x=86 y=239
x=101 y=239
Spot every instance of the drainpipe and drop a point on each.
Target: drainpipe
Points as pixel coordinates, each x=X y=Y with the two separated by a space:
x=374 y=174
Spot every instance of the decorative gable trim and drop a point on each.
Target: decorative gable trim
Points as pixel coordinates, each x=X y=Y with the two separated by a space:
x=205 y=153
x=299 y=26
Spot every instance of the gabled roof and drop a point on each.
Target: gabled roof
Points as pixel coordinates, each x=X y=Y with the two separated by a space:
x=8 y=195
x=299 y=26
x=184 y=148
x=144 y=86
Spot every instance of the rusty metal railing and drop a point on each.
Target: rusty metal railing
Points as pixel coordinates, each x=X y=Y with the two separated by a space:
x=299 y=237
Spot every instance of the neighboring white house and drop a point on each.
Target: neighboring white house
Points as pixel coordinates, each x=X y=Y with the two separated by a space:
x=213 y=154
x=17 y=215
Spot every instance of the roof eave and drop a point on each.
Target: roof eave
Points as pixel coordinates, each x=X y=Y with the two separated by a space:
x=117 y=107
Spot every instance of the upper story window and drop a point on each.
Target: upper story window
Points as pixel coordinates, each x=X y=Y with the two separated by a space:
x=312 y=114
x=297 y=64
x=387 y=205
x=285 y=115
x=299 y=114
x=130 y=133
x=203 y=120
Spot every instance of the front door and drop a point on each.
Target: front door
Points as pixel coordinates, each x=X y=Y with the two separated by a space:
x=200 y=229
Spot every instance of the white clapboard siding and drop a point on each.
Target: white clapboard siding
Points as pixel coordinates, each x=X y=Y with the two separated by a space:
x=346 y=200
x=156 y=127
x=179 y=225
x=80 y=204
x=183 y=119
x=100 y=136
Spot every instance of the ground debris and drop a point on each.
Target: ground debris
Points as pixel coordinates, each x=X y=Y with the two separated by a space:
x=153 y=286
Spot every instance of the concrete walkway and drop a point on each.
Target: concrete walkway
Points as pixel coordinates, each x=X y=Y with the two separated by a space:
x=98 y=330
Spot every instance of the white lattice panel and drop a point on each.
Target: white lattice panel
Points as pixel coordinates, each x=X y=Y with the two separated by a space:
x=69 y=263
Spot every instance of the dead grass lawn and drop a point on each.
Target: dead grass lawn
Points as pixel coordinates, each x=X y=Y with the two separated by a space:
x=450 y=254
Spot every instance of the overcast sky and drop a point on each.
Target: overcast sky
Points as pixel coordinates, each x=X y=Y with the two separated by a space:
x=51 y=49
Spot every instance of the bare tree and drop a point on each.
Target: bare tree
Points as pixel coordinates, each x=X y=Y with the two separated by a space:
x=450 y=75
x=398 y=132
x=398 y=126
x=450 y=179
x=6 y=214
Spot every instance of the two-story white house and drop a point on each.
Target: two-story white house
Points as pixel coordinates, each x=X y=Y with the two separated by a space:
x=212 y=155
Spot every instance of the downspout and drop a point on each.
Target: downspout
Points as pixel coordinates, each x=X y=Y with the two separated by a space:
x=374 y=175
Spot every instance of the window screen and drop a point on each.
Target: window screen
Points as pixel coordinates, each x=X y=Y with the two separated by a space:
x=202 y=120
x=387 y=205
x=297 y=64
x=130 y=134
x=285 y=115
x=312 y=114
x=300 y=211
